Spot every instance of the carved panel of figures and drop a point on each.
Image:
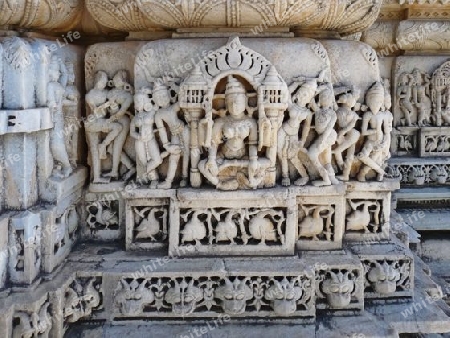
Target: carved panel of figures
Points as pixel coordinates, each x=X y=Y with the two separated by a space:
x=414 y=99
x=56 y=100
x=81 y=298
x=421 y=105
x=36 y=323
x=238 y=296
x=235 y=100
x=233 y=123
x=157 y=111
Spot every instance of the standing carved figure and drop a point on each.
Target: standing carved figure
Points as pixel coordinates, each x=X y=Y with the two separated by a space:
x=178 y=144
x=55 y=92
x=143 y=131
x=320 y=149
x=376 y=128
x=97 y=100
x=420 y=93
x=404 y=96
x=289 y=144
x=347 y=136
x=121 y=99
x=71 y=112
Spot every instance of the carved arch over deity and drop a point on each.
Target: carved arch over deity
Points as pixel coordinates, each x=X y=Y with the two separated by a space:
x=234 y=97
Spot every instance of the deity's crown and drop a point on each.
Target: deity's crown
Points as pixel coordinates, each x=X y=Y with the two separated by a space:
x=309 y=84
x=159 y=86
x=234 y=86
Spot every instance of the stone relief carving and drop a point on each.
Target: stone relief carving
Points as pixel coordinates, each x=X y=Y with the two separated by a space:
x=422 y=116
x=235 y=124
x=348 y=136
x=221 y=226
x=339 y=287
x=365 y=215
x=151 y=224
x=420 y=173
x=55 y=101
x=167 y=14
x=25 y=259
x=413 y=93
x=102 y=215
x=236 y=296
x=423 y=98
x=32 y=324
x=108 y=126
x=42 y=14
x=316 y=222
x=432 y=35
x=81 y=298
x=387 y=277
x=376 y=127
x=72 y=114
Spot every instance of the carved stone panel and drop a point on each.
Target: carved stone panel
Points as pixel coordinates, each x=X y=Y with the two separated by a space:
x=420 y=171
x=138 y=15
x=320 y=218
x=388 y=270
x=81 y=299
x=104 y=216
x=434 y=142
x=368 y=209
x=33 y=321
x=237 y=294
x=147 y=218
x=59 y=234
x=25 y=241
x=216 y=223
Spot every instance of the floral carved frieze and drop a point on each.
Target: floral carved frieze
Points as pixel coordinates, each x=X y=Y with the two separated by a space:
x=236 y=296
x=137 y=15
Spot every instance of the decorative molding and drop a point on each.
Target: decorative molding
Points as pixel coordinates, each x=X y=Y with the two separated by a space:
x=59 y=15
x=137 y=15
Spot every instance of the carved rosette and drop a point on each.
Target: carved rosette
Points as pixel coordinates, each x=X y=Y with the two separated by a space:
x=137 y=15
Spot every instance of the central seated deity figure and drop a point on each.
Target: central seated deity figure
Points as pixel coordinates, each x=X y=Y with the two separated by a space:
x=233 y=161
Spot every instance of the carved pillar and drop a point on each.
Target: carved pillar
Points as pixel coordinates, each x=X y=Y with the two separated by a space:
x=192 y=100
